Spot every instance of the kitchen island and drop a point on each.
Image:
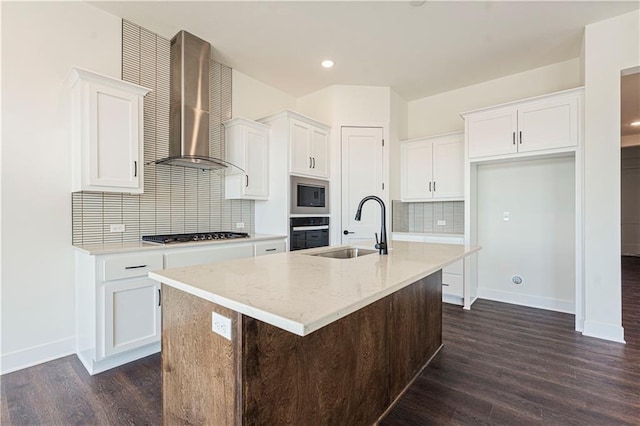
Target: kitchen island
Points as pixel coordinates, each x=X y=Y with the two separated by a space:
x=312 y=339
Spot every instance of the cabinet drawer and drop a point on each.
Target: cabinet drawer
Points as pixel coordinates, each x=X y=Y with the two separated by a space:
x=454 y=268
x=270 y=248
x=452 y=284
x=184 y=258
x=118 y=267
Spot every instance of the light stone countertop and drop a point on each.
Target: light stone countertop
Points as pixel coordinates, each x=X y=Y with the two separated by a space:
x=301 y=293
x=127 y=247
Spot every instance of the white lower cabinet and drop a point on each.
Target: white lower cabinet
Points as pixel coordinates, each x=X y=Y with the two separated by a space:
x=270 y=247
x=131 y=315
x=119 y=309
x=452 y=275
x=453 y=283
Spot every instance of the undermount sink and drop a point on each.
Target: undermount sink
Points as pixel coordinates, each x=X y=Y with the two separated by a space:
x=345 y=253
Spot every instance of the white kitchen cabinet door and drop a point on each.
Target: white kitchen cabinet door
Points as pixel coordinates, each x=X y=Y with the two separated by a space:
x=131 y=315
x=309 y=150
x=493 y=133
x=107 y=133
x=432 y=168
x=300 y=146
x=247 y=146
x=548 y=125
x=270 y=247
x=319 y=152
x=417 y=171
x=448 y=167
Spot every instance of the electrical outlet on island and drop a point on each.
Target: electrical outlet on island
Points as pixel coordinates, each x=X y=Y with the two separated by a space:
x=221 y=325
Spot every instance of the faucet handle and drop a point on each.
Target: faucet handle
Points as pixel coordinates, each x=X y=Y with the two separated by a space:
x=377 y=242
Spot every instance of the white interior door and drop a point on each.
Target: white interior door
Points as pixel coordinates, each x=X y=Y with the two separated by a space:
x=361 y=176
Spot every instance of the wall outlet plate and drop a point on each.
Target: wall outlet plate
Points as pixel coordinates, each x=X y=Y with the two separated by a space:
x=221 y=325
x=119 y=227
x=506 y=216
x=239 y=225
x=441 y=223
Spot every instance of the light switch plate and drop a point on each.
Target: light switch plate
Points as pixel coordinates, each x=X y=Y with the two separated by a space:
x=239 y=225
x=221 y=325
x=506 y=216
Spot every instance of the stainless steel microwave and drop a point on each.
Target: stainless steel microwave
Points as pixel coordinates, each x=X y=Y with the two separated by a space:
x=309 y=196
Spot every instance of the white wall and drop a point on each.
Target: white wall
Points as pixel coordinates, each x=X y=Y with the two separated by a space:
x=440 y=113
x=40 y=43
x=610 y=47
x=319 y=105
x=398 y=131
x=253 y=99
x=538 y=240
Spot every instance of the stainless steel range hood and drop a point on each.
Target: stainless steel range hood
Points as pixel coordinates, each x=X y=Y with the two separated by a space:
x=189 y=105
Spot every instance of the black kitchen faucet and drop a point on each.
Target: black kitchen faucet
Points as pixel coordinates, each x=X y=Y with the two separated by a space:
x=382 y=244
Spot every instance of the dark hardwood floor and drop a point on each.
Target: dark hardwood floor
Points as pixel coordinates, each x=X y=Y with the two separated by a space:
x=501 y=364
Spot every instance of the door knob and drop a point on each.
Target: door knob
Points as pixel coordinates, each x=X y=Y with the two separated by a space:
x=345 y=232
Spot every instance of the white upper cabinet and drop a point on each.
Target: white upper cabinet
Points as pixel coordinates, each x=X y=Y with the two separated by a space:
x=107 y=133
x=247 y=146
x=309 y=149
x=433 y=168
x=546 y=123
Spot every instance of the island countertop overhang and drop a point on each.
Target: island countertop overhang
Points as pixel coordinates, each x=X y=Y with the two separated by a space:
x=302 y=293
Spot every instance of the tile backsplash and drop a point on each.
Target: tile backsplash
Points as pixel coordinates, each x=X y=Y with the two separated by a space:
x=424 y=217
x=175 y=199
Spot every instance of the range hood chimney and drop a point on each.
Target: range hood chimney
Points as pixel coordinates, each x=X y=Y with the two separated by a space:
x=189 y=105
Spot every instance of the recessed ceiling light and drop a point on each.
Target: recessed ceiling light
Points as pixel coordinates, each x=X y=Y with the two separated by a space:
x=327 y=63
x=635 y=123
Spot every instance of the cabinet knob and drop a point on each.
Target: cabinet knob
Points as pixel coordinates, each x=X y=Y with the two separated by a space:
x=345 y=232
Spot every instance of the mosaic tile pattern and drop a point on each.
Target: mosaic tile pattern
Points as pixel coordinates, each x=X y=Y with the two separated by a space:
x=175 y=199
x=424 y=217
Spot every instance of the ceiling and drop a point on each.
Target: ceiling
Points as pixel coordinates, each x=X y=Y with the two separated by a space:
x=418 y=51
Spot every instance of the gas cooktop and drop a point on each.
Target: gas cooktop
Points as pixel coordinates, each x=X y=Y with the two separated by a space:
x=198 y=236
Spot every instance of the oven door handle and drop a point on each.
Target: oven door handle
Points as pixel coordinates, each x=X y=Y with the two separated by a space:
x=310 y=228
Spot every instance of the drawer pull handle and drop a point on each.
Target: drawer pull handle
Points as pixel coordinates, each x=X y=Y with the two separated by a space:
x=135 y=267
x=445 y=284
x=271 y=249
x=159 y=298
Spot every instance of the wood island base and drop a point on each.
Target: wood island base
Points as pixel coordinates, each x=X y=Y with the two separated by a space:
x=348 y=372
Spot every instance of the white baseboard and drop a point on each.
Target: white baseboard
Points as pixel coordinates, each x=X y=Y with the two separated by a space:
x=527 y=300
x=95 y=367
x=35 y=355
x=604 y=331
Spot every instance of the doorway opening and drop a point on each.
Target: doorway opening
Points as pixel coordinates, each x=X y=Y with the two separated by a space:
x=630 y=200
